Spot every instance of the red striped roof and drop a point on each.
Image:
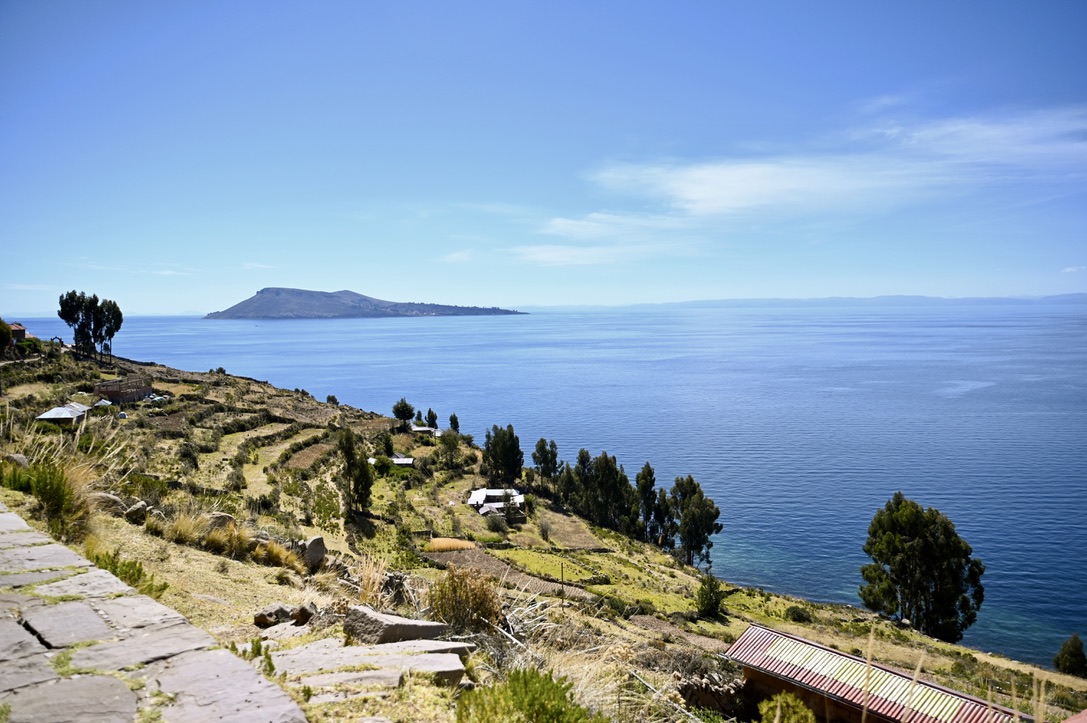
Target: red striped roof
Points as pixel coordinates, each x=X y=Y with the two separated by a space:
x=890 y=694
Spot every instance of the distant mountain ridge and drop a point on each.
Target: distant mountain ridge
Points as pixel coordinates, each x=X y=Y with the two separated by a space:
x=283 y=303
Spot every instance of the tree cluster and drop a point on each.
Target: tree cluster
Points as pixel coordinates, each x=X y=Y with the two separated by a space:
x=682 y=519
x=356 y=480
x=921 y=570
x=94 y=322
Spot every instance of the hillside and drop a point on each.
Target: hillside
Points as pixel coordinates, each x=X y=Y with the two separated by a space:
x=614 y=616
x=281 y=303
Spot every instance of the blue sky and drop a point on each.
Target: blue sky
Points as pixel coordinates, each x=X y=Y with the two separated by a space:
x=177 y=157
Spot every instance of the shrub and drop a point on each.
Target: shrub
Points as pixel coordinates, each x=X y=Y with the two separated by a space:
x=798 y=614
x=528 y=695
x=545 y=530
x=785 y=708
x=497 y=524
x=1071 y=658
x=15 y=478
x=128 y=571
x=709 y=596
x=65 y=509
x=465 y=600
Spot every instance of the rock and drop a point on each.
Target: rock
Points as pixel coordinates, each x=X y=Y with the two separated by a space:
x=220 y=519
x=84 y=698
x=64 y=625
x=95 y=584
x=272 y=615
x=137 y=513
x=110 y=503
x=146 y=646
x=314 y=553
x=19 y=460
x=304 y=613
x=367 y=625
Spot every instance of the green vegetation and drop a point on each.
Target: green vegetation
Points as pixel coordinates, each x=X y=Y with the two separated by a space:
x=502 y=456
x=128 y=571
x=785 y=708
x=527 y=696
x=403 y=412
x=465 y=600
x=93 y=322
x=709 y=596
x=922 y=570
x=1070 y=658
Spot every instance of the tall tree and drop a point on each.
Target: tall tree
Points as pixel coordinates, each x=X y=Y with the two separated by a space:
x=5 y=339
x=356 y=480
x=93 y=322
x=454 y=423
x=502 y=455
x=546 y=459
x=403 y=412
x=431 y=418
x=697 y=520
x=1070 y=659
x=645 y=483
x=662 y=530
x=921 y=570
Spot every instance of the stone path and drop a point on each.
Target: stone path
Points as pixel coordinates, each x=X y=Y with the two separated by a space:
x=77 y=644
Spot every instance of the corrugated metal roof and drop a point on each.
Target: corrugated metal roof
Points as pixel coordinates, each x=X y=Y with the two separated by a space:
x=887 y=692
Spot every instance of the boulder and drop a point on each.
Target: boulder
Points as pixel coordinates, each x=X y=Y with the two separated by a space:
x=315 y=552
x=272 y=615
x=19 y=460
x=303 y=613
x=366 y=625
x=137 y=513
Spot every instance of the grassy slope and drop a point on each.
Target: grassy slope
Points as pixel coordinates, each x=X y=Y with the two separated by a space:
x=221 y=595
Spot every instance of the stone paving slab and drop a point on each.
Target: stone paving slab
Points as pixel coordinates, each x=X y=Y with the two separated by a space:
x=128 y=633
x=93 y=583
x=40 y=557
x=23 y=538
x=145 y=646
x=22 y=579
x=330 y=655
x=218 y=685
x=66 y=624
x=88 y=699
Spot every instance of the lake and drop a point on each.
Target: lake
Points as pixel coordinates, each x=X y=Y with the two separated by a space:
x=800 y=422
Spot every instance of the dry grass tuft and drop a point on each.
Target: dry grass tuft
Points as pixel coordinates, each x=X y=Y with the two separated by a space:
x=274 y=554
x=370 y=573
x=187 y=528
x=232 y=540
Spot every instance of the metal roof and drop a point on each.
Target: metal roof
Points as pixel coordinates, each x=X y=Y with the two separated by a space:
x=889 y=693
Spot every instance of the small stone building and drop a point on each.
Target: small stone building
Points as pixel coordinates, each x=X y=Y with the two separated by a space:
x=841 y=687
x=125 y=390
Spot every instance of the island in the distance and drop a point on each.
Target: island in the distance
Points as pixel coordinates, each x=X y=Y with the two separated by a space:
x=281 y=303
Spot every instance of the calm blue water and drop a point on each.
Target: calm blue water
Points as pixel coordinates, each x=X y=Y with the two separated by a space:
x=800 y=423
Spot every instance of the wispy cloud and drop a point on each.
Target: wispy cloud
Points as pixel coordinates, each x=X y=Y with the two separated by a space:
x=29 y=287
x=1073 y=269
x=256 y=266
x=171 y=272
x=460 y=257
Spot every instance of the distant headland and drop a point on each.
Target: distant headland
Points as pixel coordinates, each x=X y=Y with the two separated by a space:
x=281 y=303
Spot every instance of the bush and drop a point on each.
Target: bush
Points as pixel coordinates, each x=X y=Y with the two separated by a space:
x=497 y=524
x=545 y=530
x=128 y=571
x=528 y=695
x=15 y=478
x=465 y=600
x=1071 y=658
x=66 y=511
x=709 y=596
x=797 y=614
x=232 y=540
x=785 y=708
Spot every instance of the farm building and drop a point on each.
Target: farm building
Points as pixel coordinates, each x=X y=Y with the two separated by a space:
x=837 y=686
x=125 y=390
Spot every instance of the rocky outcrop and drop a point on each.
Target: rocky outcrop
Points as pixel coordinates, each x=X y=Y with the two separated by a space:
x=365 y=625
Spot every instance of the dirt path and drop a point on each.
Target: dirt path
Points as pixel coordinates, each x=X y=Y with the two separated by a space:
x=664 y=627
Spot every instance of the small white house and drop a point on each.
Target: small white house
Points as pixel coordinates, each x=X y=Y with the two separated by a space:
x=489 y=501
x=70 y=413
x=418 y=429
x=398 y=459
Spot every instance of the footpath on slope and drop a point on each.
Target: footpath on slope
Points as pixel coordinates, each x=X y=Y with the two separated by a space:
x=77 y=644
